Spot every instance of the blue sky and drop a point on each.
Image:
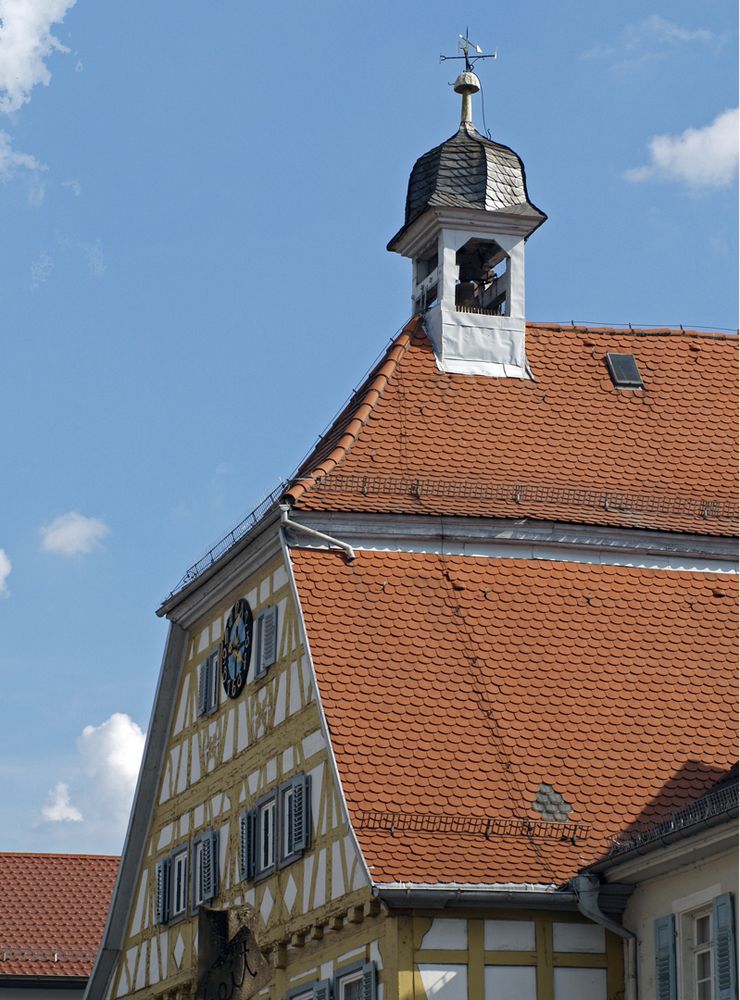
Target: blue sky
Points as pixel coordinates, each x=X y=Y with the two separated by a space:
x=195 y=202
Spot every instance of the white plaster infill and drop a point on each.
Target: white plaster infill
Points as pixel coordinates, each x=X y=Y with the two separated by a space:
x=546 y=540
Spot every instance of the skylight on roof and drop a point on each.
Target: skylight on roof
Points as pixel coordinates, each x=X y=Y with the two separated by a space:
x=624 y=371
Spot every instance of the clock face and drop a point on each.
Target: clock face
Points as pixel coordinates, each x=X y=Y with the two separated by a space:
x=236 y=649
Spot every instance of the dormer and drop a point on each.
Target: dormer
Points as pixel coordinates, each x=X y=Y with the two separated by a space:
x=468 y=216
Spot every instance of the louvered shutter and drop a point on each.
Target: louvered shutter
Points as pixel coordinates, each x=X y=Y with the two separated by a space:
x=369 y=981
x=203 y=687
x=246 y=844
x=665 y=958
x=269 y=638
x=322 y=990
x=162 y=914
x=208 y=874
x=301 y=813
x=725 y=981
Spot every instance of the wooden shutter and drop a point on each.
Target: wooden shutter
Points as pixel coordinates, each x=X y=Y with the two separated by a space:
x=665 y=958
x=322 y=990
x=269 y=638
x=301 y=812
x=247 y=844
x=725 y=983
x=369 y=981
x=209 y=867
x=203 y=687
x=162 y=914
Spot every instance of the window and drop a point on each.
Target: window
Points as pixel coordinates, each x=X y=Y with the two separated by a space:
x=295 y=817
x=266 y=641
x=314 y=991
x=356 y=982
x=205 y=868
x=179 y=877
x=277 y=831
x=162 y=890
x=209 y=684
x=695 y=952
x=265 y=836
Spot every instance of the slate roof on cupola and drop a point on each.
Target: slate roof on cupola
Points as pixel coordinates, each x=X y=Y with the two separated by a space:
x=468 y=171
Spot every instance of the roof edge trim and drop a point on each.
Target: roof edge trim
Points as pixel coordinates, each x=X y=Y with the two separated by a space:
x=375 y=387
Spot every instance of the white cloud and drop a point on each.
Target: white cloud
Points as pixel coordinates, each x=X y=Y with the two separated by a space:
x=103 y=781
x=73 y=534
x=5 y=568
x=700 y=157
x=652 y=38
x=26 y=42
x=58 y=808
x=111 y=755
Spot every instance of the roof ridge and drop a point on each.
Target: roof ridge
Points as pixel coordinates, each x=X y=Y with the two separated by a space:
x=357 y=419
x=640 y=331
x=55 y=854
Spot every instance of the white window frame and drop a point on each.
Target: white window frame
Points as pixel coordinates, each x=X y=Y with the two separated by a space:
x=348 y=980
x=690 y=951
x=265 y=807
x=287 y=797
x=179 y=900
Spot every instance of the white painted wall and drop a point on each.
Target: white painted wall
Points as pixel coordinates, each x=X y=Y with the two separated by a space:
x=686 y=888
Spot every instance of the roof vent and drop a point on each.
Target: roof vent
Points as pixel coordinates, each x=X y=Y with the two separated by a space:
x=551 y=804
x=624 y=371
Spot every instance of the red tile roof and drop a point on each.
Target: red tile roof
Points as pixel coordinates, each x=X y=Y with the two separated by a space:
x=53 y=909
x=566 y=445
x=454 y=688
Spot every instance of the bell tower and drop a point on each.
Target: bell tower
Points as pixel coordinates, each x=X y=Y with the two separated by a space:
x=467 y=218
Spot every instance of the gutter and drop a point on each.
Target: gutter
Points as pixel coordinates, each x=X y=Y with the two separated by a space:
x=587 y=889
x=613 y=897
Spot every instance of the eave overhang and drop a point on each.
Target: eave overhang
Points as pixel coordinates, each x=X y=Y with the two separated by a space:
x=612 y=897
x=519 y=220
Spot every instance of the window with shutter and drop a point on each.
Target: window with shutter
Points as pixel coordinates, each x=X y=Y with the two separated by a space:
x=356 y=982
x=203 y=677
x=665 y=958
x=209 y=684
x=322 y=990
x=266 y=641
x=162 y=914
x=294 y=818
x=725 y=973
x=246 y=845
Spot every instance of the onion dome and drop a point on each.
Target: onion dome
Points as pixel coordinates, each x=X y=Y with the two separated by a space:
x=469 y=171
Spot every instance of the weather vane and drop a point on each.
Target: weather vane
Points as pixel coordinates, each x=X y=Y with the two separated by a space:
x=464 y=45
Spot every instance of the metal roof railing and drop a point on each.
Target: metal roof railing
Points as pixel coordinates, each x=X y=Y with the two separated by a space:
x=711 y=806
x=225 y=543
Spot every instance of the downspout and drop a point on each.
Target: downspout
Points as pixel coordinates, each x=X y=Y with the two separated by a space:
x=304 y=529
x=586 y=888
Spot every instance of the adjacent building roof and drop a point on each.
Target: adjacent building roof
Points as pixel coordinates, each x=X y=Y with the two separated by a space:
x=566 y=445
x=496 y=720
x=53 y=909
x=468 y=171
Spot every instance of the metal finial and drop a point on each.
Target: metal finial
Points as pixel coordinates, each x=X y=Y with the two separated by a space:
x=467 y=83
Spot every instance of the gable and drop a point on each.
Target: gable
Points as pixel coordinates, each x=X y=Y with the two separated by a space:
x=220 y=761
